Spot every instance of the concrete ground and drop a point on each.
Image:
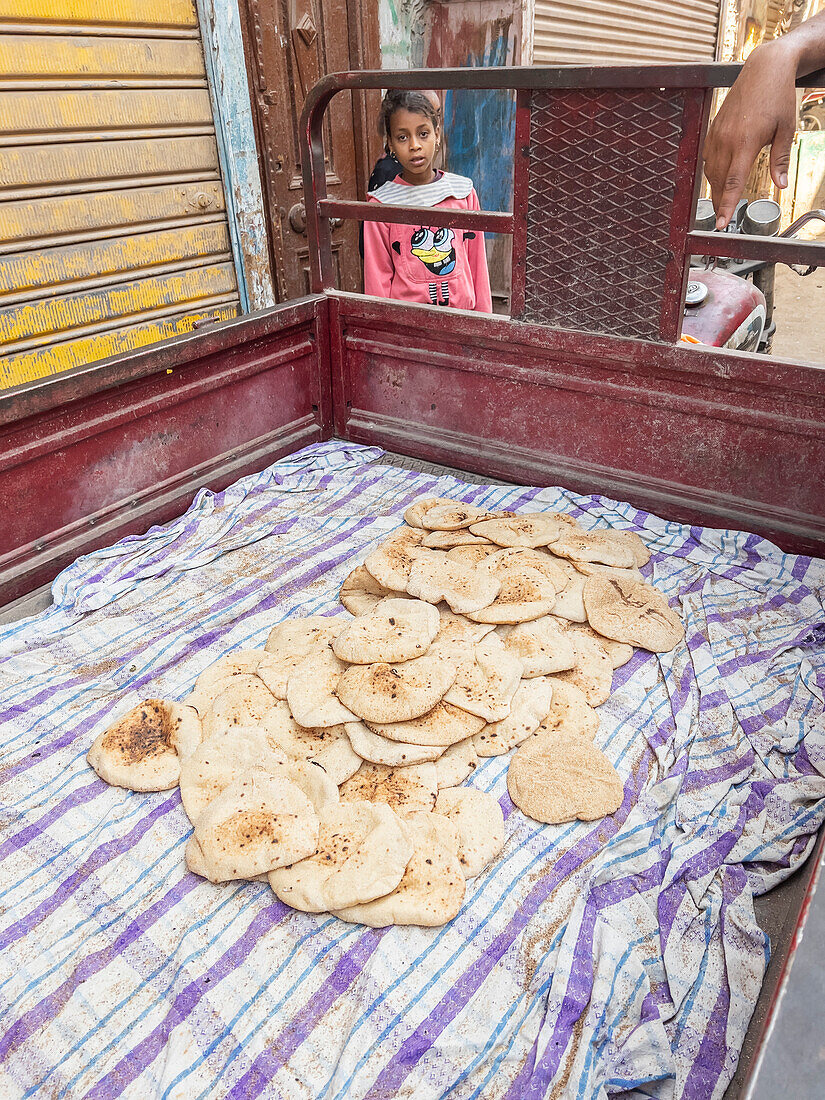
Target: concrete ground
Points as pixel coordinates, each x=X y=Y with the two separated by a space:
x=799 y=313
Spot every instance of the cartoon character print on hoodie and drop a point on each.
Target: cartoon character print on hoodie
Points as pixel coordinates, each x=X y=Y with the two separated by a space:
x=423 y=263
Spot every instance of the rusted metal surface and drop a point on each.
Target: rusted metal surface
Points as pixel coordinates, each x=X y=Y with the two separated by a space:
x=786 y=250
x=696 y=435
x=113 y=224
x=602 y=32
x=108 y=449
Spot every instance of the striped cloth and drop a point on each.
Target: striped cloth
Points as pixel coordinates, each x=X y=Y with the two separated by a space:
x=588 y=959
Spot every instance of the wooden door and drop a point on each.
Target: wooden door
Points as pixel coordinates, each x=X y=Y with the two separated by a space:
x=291 y=44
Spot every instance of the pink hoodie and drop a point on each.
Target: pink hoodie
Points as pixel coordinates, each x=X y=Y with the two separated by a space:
x=421 y=263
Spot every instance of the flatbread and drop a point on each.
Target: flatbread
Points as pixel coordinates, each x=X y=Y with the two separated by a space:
x=486 y=686
x=473 y=553
x=556 y=570
x=430 y=892
x=395 y=630
x=563 y=779
x=455 y=515
x=525 y=593
x=416 y=510
x=291 y=642
x=311 y=691
x=595 y=569
x=360 y=591
x=256 y=824
x=457 y=634
x=456 y=764
x=381 y=750
x=142 y=750
x=530 y=706
x=385 y=693
x=442 y=726
x=635 y=613
x=211 y=682
x=570 y=713
x=296 y=742
x=218 y=762
x=525 y=528
x=570 y=602
x=618 y=652
x=607 y=547
x=363 y=851
x=434 y=577
x=410 y=788
x=243 y=702
x=543 y=646
x=448 y=540
x=391 y=562
x=480 y=824
x=593 y=671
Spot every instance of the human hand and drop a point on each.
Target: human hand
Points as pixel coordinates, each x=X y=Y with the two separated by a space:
x=760 y=109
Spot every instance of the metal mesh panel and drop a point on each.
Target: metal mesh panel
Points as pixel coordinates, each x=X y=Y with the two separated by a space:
x=601 y=184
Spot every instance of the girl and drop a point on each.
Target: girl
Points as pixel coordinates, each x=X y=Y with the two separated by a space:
x=421 y=263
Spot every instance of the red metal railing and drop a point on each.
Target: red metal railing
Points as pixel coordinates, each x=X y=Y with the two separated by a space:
x=571 y=210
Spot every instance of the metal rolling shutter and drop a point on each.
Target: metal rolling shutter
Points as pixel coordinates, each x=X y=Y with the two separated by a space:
x=624 y=32
x=113 y=230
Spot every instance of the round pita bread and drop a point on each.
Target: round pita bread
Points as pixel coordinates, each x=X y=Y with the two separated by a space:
x=142 y=750
x=291 y=642
x=593 y=671
x=383 y=693
x=485 y=687
x=471 y=555
x=563 y=779
x=457 y=635
x=530 y=706
x=411 y=788
x=525 y=528
x=570 y=713
x=525 y=593
x=448 y=540
x=437 y=828
x=458 y=762
x=296 y=742
x=391 y=562
x=363 y=851
x=394 y=631
x=480 y=824
x=430 y=892
x=618 y=652
x=413 y=514
x=219 y=761
x=594 y=569
x=312 y=691
x=212 y=681
x=556 y=570
x=632 y=612
x=243 y=702
x=600 y=546
x=256 y=824
x=570 y=603
x=360 y=591
x=442 y=726
x=381 y=750
x=435 y=577
x=455 y=515
x=543 y=646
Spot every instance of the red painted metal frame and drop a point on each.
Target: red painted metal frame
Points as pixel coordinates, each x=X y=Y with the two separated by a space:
x=106 y=450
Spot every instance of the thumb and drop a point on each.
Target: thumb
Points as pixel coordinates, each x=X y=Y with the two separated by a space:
x=781 y=153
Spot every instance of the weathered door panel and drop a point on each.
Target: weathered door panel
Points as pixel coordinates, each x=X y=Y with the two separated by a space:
x=290 y=45
x=113 y=223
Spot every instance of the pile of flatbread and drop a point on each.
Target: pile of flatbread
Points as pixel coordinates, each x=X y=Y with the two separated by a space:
x=331 y=762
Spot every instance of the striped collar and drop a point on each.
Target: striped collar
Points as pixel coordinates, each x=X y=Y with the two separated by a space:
x=447 y=186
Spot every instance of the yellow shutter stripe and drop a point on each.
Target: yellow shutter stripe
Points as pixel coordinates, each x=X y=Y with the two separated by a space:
x=48 y=317
x=23 y=273
x=42 y=112
x=111 y=210
x=29 y=365
x=165 y=13
x=33 y=55
x=83 y=164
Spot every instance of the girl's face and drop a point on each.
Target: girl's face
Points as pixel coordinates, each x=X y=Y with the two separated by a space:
x=412 y=140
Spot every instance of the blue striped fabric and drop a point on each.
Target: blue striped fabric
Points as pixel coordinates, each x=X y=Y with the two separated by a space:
x=590 y=958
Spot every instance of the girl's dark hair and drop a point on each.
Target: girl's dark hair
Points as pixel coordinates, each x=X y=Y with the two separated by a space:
x=399 y=99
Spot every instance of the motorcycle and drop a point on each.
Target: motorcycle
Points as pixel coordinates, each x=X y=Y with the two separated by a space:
x=729 y=303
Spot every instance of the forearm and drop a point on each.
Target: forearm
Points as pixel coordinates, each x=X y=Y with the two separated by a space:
x=805 y=45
